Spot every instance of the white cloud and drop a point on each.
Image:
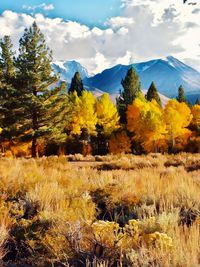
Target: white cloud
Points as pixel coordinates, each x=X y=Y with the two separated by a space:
x=100 y=62
x=126 y=59
x=48 y=7
x=117 y=22
x=145 y=29
x=45 y=7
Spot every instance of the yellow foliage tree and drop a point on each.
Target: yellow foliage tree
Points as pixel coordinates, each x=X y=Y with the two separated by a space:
x=145 y=120
x=107 y=115
x=177 y=118
x=82 y=114
x=196 y=118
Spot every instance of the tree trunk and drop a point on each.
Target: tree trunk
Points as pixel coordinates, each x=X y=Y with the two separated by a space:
x=61 y=150
x=34 y=148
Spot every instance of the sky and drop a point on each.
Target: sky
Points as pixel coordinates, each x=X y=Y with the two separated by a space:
x=84 y=11
x=102 y=33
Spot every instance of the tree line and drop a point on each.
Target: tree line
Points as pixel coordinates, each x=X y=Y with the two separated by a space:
x=38 y=114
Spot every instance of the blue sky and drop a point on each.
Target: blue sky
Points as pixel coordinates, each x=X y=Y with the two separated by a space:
x=90 y=12
x=102 y=33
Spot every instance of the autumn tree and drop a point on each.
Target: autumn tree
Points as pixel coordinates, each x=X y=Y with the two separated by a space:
x=177 y=118
x=82 y=120
x=131 y=88
x=181 y=95
x=145 y=121
x=152 y=93
x=34 y=80
x=82 y=114
x=76 y=84
x=119 y=143
x=195 y=123
x=107 y=122
x=107 y=115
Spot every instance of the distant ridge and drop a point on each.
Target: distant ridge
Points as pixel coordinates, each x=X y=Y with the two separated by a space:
x=167 y=73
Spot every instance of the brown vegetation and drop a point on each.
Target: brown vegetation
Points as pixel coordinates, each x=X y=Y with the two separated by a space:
x=101 y=211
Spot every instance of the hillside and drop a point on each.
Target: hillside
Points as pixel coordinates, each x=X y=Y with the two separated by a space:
x=168 y=74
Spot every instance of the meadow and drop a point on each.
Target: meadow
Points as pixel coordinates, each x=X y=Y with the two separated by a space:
x=100 y=211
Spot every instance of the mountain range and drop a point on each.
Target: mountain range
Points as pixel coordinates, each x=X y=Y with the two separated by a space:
x=168 y=74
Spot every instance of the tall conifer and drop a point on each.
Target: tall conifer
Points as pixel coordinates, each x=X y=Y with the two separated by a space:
x=197 y=101
x=152 y=93
x=76 y=84
x=131 y=89
x=10 y=104
x=34 y=80
x=181 y=95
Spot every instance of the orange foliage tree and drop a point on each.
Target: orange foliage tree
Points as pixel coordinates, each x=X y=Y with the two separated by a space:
x=119 y=143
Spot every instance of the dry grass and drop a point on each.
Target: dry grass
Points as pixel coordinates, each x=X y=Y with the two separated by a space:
x=50 y=206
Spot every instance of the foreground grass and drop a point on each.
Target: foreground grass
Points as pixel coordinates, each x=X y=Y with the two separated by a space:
x=102 y=211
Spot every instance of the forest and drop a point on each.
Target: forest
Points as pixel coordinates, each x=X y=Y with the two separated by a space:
x=39 y=116
x=87 y=183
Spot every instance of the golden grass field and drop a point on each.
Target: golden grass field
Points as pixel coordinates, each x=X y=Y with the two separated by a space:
x=101 y=211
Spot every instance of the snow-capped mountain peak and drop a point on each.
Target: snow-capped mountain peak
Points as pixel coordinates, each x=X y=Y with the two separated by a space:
x=167 y=73
x=67 y=69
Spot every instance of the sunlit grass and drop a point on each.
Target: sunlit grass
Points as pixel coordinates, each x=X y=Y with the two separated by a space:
x=49 y=207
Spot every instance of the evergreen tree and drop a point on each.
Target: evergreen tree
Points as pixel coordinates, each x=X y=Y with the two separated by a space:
x=6 y=59
x=152 y=93
x=58 y=105
x=34 y=79
x=181 y=95
x=197 y=101
x=76 y=84
x=131 y=85
x=10 y=104
x=131 y=89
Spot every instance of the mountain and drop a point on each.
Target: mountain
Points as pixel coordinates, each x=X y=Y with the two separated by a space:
x=67 y=69
x=168 y=74
x=96 y=92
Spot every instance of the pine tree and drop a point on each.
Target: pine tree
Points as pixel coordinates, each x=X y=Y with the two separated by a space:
x=76 y=84
x=197 y=101
x=181 y=95
x=131 y=85
x=7 y=58
x=131 y=89
x=152 y=93
x=34 y=78
x=10 y=104
x=58 y=106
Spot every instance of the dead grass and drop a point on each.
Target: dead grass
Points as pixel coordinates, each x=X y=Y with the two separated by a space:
x=50 y=205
